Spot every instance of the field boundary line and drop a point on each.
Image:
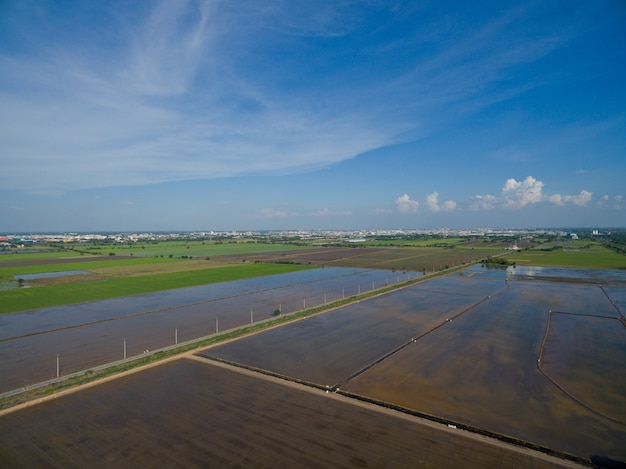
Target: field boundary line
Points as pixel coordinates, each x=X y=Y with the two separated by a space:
x=440 y=423
x=61 y=383
x=415 y=339
x=549 y=378
x=614 y=304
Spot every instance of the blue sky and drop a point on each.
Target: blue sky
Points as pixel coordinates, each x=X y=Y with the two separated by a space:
x=134 y=116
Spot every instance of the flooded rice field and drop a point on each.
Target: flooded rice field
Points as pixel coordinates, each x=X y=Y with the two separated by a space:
x=95 y=333
x=469 y=348
x=575 y=349
x=190 y=414
x=64 y=273
x=326 y=349
x=535 y=354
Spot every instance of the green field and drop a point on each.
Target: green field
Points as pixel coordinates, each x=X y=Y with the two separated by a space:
x=580 y=254
x=22 y=299
x=150 y=267
x=8 y=273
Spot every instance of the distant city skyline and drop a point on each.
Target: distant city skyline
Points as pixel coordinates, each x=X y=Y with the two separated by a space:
x=281 y=115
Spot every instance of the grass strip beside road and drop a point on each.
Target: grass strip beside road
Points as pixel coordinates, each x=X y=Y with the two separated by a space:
x=23 y=299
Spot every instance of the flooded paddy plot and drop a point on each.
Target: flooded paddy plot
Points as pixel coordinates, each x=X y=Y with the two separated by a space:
x=586 y=356
x=64 y=273
x=335 y=281
x=190 y=414
x=328 y=348
x=580 y=299
x=481 y=369
x=482 y=271
x=571 y=275
x=96 y=333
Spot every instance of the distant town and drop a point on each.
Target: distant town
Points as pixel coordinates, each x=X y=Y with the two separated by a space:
x=323 y=236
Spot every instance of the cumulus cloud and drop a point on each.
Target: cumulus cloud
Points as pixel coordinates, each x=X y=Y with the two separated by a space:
x=405 y=204
x=519 y=194
x=581 y=199
x=432 y=202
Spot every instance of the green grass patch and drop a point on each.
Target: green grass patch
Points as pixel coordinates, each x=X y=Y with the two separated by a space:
x=8 y=273
x=43 y=253
x=580 y=255
x=23 y=299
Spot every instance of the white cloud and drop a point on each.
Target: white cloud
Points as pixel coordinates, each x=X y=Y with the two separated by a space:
x=449 y=206
x=405 y=204
x=432 y=202
x=325 y=212
x=581 y=199
x=273 y=213
x=193 y=90
x=483 y=202
x=519 y=194
x=171 y=103
x=556 y=199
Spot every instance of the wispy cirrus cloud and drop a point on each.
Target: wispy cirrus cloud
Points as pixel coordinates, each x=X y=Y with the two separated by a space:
x=193 y=90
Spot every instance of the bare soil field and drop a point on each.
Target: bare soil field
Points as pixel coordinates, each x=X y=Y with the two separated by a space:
x=190 y=414
x=398 y=258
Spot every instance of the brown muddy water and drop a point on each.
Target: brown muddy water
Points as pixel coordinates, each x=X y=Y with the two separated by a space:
x=480 y=368
x=190 y=414
x=577 y=347
x=328 y=348
x=95 y=333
